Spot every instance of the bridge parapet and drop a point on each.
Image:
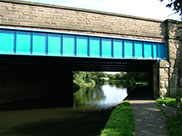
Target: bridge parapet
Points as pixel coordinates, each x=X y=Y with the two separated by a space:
x=37 y=15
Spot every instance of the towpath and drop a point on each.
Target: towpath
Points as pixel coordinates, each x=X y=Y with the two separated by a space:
x=149 y=121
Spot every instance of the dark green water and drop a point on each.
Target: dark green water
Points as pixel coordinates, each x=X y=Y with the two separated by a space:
x=87 y=117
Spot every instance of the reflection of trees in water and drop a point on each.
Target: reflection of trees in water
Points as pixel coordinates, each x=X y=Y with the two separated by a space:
x=91 y=96
x=129 y=84
x=86 y=95
x=116 y=83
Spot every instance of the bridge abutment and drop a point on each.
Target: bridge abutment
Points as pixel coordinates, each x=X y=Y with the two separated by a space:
x=174 y=41
x=163 y=79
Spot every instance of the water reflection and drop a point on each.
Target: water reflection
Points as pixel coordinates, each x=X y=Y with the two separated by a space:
x=92 y=110
x=103 y=96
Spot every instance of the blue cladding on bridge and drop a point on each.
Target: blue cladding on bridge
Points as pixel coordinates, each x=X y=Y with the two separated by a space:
x=24 y=42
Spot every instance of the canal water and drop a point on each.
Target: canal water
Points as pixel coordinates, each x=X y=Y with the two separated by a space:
x=103 y=96
x=90 y=112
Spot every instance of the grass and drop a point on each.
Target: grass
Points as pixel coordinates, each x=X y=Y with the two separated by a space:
x=167 y=101
x=142 y=83
x=121 y=122
x=174 y=127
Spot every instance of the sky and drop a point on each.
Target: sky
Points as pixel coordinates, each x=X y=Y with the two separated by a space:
x=153 y=9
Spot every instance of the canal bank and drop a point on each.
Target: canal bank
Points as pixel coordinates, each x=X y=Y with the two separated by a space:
x=121 y=121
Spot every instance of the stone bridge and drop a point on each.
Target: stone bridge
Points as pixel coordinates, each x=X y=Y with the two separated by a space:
x=159 y=41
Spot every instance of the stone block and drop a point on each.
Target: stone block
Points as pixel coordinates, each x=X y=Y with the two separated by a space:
x=162 y=84
x=163 y=92
x=164 y=64
x=28 y=14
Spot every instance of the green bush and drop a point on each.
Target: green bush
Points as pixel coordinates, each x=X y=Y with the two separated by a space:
x=167 y=101
x=75 y=86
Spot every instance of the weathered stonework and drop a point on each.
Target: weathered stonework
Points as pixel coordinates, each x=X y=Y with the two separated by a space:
x=27 y=14
x=163 y=78
x=174 y=40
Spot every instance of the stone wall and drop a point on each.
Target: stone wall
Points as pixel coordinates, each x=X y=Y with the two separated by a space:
x=163 y=78
x=28 y=14
x=174 y=40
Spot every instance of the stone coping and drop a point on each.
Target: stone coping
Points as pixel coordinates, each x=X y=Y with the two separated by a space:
x=172 y=21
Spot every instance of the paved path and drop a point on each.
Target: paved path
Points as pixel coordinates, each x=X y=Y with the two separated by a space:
x=149 y=120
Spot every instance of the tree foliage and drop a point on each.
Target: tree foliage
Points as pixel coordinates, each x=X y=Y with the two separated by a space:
x=87 y=79
x=139 y=76
x=176 y=5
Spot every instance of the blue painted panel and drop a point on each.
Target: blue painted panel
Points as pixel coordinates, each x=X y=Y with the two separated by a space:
x=23 y=43
x=68 y=45
x=94 y=47
x=165 y=51
x=106 y=48
x=117 y=48
x=160 y=50
x=128 y=49
x=154 y=51
x=54 y=45
x=39 y=44
x=138 y=49
x=147 y=50
x=82 y=46
x=7 y=42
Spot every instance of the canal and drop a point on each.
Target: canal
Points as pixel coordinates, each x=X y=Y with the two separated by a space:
x=90 y=112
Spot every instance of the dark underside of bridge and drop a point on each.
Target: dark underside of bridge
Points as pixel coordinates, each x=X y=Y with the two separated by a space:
x=80 y=64
x=47 y=81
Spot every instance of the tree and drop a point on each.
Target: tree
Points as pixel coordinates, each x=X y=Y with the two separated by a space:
x=179 y=88
x=176 y=5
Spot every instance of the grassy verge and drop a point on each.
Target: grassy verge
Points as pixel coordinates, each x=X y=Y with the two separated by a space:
x=121 y=122
x=142 y=83
x=167 y=101
x=174 y=127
